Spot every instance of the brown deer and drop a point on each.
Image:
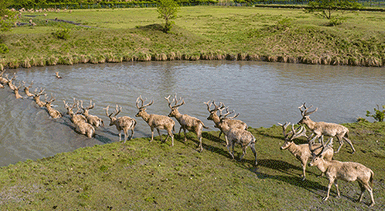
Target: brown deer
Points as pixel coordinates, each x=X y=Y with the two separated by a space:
x=26 y=89
x=324 y=128
x=16 y=90
x=123 y=123
x=9 y=81
x=57 y=75
x=36 y=97
x=215 y=118
x=155 y=121
x=303 y=152
x=236 y=136
x=81 y=126
x=3 y=80
x=186 y=122
x=92 y=119
x=51 y=111
x=347 y=171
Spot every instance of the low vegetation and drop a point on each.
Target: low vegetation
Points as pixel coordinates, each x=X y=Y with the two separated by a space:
x=140 y=175
x=200 y=32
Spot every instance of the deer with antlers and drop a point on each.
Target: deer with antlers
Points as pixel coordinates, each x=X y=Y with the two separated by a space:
x=123 y=123
x=303 y=152
x=324 y=128
x=26 y=89
x=36 y=97
x=16 y=90
x=3 y=80
x=92 y=119
x=186 y=122
x=236 y=136
x=155 y=121
x=51 y=111
x=81 y=126
x=215 y=118
x=9 y=81
x=347 y=171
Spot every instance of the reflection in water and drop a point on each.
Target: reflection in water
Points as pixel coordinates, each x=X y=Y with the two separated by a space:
x=263 y=94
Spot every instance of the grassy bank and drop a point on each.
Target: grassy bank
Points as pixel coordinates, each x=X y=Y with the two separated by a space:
x=140 y=175
x=202 y=32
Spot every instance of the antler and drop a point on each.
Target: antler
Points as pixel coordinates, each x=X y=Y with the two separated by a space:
x=117 y=111
x=40 y=92
x=168 y=100
x=209 y=103
x=284 y=126
x=305 y=112
x=140 y=99
x=298 y=133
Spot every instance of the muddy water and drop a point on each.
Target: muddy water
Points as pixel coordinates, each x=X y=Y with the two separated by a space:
x=263 y=94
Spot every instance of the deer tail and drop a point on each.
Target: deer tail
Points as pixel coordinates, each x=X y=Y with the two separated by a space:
x=371 y=178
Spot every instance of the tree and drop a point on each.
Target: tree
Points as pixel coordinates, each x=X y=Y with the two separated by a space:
x=167 y=10
x=5 y=14
x=326 y=7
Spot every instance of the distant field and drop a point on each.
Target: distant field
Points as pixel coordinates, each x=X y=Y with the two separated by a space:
x=201 y=32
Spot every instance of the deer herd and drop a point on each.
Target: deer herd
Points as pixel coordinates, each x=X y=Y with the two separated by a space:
x=235 y=132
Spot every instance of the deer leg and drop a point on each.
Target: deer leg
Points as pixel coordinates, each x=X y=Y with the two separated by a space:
x=363 y=188
x=220 y=133
x=303 y=171
x=161 y=136
x=185 y=136
x=243 y=152
x=179 y=131
x=199 y=135
x=132 y=133
x=172 y=137
x=252 y=146
x=331 y=181
x=120 y=136
x=228 y=148
x=152 y=134
x=341 y=143
x=350 y=143
x=338 y=190
x=125 y=136
x=227 y=141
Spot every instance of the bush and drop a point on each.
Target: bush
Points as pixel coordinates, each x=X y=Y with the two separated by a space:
x=3 y=48
x=63 y=34
x=378 y=115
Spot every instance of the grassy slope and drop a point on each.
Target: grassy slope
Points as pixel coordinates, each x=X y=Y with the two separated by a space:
x=204 y=30
x=140 y=175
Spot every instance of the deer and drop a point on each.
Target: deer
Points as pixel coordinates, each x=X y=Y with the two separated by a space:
x=155 y=121
x=347 y=171
x=123 y=123
x=16 y=90
x=3 y=80
x=236 y=136
x=92 y=119
x=26 y=89
x=81 y=126
x=9 y=81
x=324 y=128
x=51 y=111
x=303 y=152
x=215 y=118
x=186 y=122
x=36 y=97
x=57 y=75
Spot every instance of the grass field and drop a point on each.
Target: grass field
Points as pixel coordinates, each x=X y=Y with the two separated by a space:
x=201 y=32
x=140 y=175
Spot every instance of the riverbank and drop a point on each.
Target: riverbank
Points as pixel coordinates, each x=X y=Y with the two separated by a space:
x=201 y=32
x=140 y=175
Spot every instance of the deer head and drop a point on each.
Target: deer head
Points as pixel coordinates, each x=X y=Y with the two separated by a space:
x=174 y=109
x=85 y=110
x=118 y=109
x=48 y=102
x=213 y=112
x=141 y=107
x=305 y=113
x=318 y=157
x=293 y=134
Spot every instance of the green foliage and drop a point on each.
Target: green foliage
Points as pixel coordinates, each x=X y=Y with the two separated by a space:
x=334 y=21
x=327 y=7
x=167 y=10
x=63 y=34
x=378 y=115
x=3 y=48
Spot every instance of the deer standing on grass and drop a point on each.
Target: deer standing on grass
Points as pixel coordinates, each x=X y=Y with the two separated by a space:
x=186 y=122
x=81 y=126
x=123 y=123
x=347 y=171
x=26 y=89
x=215 y=118
x=51 y=111
x=303 y=152
x=236 y=136
x=324 y=128
x=92 y=119
x=36 y=97
x=155 y=121
x=16 y=90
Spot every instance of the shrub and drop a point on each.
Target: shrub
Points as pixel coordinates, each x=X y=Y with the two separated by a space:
x=378 y=115
x=63 y=34
x=3 y=48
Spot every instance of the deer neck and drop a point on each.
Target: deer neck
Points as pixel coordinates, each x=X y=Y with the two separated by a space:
x=216 y=119
x=323 y=165
x=146 y=117
x=310 y=124
x=86 y=113
x=293 y=148
x=224 y=127
x=178 y=116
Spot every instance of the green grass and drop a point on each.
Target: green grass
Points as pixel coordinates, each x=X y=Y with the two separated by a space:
x=286 y=35
x=140 y=175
